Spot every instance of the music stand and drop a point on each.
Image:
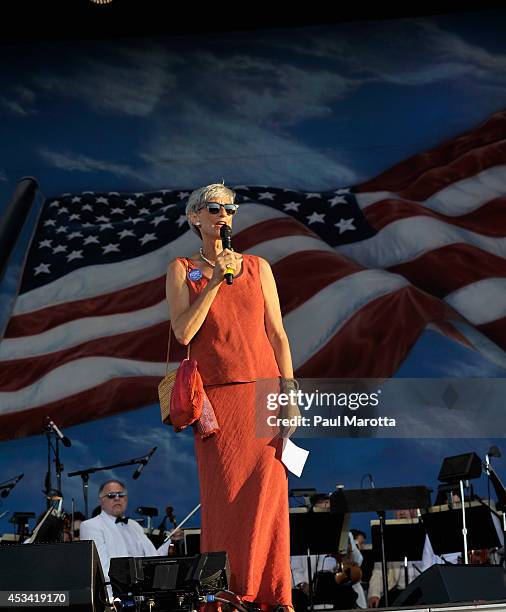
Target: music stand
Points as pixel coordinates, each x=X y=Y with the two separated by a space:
x=20 y=519
x=316 y=531
x=404 y=539
x=444 y=527
x=380 y=500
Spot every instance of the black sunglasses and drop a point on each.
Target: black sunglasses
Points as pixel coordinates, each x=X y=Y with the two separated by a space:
x=113 y=494
x=213 y=208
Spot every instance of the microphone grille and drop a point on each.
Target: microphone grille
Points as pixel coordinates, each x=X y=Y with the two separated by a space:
x=225 y=231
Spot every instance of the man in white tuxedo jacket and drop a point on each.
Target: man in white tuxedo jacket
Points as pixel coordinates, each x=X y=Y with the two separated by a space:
x=114 y=534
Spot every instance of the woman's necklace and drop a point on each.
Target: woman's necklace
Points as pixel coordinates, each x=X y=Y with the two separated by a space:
x=210 y=263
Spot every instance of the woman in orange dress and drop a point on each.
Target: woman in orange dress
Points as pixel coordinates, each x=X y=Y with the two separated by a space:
x=237 y=336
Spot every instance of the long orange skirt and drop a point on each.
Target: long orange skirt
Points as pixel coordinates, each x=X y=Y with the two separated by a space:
x=244 y=496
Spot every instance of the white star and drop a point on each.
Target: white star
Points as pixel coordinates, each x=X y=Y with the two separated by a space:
x=113 y=193
x=49 y=222
x=345 y=224
x=55 y=203
x=158 y=220
x=88 y=224
x=292 y=206
x=75 y=255
x=139 y=194
x=75 y=216
x=183 y=194
x=74 y=235
x=45 y=243
x=134 y=221
x=147 y=238
x=42 y=268
x=63 y=209
x=104 y=226
x=61 y=229
x=76 y=199
x=111 y=248
x=90 y=239
x=102 y=200
x=342 y=190
x=313 y=195
x=87 y=192
x=143 y=211
x=182 y=220
x=102 y=219
x=296 y=190
x=166 y=208
x=156 y=201
x=60 y=248
x=124 y=233
x=316 y=218
x=87 y=207
x=337 y=200
x=118 y=211
x=266 y=195
x=130 y=202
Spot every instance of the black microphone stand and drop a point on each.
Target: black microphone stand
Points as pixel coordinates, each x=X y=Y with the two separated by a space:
x=501 y=496
x=50 y=492
x=85 y=475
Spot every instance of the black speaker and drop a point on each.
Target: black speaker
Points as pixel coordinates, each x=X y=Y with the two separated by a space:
x=143 y=575
x=460 y=467
x=442 y=584
x=73 y=566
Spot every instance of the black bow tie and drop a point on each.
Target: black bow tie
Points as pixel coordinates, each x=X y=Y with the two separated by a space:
x=122 y=519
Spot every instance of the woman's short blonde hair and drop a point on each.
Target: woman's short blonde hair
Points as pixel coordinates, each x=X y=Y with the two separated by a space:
x=199 y=197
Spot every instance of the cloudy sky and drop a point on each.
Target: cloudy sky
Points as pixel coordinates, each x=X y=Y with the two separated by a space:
x=311 y=108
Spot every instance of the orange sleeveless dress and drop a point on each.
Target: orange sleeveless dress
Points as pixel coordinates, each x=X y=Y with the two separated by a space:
x=243 y=484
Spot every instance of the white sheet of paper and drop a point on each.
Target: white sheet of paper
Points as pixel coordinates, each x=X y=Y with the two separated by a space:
x=293 y=457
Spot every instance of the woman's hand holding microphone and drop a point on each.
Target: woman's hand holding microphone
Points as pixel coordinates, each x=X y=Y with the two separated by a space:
x=225 y=261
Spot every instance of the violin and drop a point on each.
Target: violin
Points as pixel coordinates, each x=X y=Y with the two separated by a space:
x=348 y=572
x=479 y=557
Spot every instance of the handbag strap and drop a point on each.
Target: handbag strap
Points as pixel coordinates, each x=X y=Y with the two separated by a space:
x=168 y=349
x=170 y=330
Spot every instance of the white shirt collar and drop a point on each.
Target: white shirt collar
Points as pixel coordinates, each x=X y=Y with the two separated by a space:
x=109 y=517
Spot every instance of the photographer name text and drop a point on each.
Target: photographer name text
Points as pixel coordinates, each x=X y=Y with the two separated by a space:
x=338 y=421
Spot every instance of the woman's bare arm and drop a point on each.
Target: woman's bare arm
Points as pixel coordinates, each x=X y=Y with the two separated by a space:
x=274 y=321
x=186 y=320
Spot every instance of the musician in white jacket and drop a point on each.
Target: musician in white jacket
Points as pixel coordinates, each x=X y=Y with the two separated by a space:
x=114 y=534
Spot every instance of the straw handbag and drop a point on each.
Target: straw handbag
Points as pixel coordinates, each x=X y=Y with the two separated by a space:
x=166 y=385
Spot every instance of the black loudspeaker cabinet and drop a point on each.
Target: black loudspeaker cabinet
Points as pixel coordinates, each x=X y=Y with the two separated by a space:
x=73 y=566
x=460 y=467
x=442 y=584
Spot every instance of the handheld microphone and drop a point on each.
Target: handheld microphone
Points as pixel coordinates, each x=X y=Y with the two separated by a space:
x=145 y=461
x=52 y=425
x=226 y=241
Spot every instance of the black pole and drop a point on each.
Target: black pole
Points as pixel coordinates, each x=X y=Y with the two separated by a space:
x=49 y=484
x=15 y=216
x=381 y=515
x=85 y=478
x=310 y=580
x=58 y=466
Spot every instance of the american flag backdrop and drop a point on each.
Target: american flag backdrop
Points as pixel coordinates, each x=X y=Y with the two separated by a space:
x=362 y=271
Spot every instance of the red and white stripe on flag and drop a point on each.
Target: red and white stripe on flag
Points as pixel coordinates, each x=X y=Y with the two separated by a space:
x=92 y=342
